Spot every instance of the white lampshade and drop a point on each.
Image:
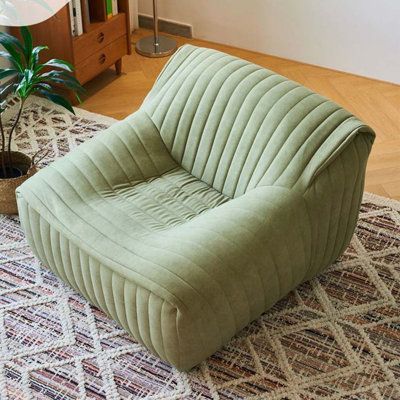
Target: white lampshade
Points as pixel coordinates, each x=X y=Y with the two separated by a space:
x=28 y=12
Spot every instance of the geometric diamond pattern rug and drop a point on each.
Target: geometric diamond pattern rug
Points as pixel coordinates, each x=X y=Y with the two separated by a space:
x=336 y=337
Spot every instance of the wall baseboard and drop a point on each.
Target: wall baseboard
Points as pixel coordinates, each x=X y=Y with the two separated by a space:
x=167 y=26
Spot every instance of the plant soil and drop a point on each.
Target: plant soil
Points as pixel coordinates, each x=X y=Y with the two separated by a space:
x=11 y=173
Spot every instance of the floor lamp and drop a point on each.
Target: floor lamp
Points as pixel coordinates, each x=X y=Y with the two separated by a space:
x=156 y=45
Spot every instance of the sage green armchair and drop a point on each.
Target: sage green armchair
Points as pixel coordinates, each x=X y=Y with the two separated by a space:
x=229 y=187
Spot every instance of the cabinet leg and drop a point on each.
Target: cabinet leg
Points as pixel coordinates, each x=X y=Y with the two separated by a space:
x=118 y=66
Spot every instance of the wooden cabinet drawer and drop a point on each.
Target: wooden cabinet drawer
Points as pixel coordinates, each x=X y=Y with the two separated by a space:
x=99 y=37
x=101 y=60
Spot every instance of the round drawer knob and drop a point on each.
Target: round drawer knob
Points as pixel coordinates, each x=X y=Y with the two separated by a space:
x=100 y=37
x=102 y=59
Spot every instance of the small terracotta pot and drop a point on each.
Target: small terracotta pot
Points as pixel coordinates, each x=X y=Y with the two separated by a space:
x=8 y=201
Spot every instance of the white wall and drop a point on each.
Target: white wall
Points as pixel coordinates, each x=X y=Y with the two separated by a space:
x=133 y=8
x=358 y=36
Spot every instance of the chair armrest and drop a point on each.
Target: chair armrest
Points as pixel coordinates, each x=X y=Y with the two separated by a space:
x=128 y=151
x=258 y=245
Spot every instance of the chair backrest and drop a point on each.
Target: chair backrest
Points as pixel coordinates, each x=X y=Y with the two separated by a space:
x=236 y=125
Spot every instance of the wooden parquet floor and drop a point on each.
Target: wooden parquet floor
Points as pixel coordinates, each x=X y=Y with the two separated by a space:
x=377 y=103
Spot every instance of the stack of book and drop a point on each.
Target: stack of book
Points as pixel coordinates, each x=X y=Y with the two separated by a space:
x=84 y=12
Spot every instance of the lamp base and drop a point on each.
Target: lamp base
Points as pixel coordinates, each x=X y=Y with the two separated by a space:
x=146 y=46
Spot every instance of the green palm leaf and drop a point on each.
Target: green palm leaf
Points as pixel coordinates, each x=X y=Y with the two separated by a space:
x=59 y=64
x=4 y=73
x=61 y=77
x=14 y=48
x=34 y=57
x=28 y=44
x=57 y=99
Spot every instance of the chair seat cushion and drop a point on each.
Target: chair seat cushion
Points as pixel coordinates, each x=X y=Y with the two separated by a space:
x=162 y=202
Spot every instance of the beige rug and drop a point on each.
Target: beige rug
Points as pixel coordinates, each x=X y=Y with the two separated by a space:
x=336 y=337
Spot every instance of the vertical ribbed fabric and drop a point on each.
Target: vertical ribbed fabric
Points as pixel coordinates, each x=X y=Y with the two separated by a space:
x=184 y=222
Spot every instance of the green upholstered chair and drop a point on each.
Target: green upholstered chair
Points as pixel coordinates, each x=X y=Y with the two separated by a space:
x=229 y=187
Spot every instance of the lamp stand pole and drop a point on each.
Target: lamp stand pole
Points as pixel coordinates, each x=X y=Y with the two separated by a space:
x=156 y=45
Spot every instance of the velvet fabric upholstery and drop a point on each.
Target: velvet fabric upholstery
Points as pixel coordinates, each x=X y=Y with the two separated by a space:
x=229 y=187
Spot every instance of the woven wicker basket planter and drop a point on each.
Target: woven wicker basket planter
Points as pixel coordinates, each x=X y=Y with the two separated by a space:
x=8 y=202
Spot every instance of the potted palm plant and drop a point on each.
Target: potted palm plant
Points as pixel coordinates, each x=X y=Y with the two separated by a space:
x=29 y=76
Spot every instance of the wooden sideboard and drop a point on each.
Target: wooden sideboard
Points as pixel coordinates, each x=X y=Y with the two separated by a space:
x=102 y=45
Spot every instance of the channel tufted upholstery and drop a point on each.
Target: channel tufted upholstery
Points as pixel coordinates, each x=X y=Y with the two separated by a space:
x=187 y=220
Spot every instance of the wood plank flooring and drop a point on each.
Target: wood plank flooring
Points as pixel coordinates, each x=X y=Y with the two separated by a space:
x=377 y=103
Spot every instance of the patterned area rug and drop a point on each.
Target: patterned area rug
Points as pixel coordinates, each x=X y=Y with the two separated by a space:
x=336 y=337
